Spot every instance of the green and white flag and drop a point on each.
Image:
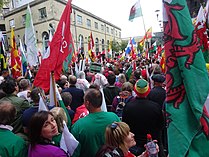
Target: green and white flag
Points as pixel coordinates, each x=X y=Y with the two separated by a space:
x=135 y=11
x=30 y=39
x=187 y=84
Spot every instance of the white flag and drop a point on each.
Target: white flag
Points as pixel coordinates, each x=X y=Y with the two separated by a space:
x=30 y=39
x=42 y=106
x=68 y=142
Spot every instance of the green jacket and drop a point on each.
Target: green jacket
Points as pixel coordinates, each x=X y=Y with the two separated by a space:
x=21 y=105
x=12 y=145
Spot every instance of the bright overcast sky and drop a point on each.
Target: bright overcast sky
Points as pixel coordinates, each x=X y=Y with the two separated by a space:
x=117 y=12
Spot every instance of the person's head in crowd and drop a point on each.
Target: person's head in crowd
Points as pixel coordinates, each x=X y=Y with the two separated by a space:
x=9 y=86
x=111 y=79
x=63 y=77
x=63 y=84
x=132 y=81
x=42 y=127
x=118 y=135
x=34 y=95
x=141 y=88
x=24 y=84
x=7 y=113
x=158 y=79
x=81 y=75
x=60 y=116
x=137 y=74
x=94 y=86
x=157 y=70
x=67 y=99
x=72 y=80
x=122 y=78
x=5 y=73
x=89 y=78
x=93 y=100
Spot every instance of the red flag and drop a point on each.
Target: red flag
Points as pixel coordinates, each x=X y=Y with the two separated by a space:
x=16 y=63
x=92 y=55
x=60 y=47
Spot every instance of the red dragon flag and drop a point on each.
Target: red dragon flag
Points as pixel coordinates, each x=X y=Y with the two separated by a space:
x=187 y=84
x=60 y=48
x=15 y=57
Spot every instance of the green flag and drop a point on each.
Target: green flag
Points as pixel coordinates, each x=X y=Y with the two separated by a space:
x=187 y=84
x=129 y=72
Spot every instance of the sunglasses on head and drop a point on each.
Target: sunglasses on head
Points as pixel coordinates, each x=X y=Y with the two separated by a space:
x=113 y=125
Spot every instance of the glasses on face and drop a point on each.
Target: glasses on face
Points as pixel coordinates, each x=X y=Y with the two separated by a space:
x=113 y=125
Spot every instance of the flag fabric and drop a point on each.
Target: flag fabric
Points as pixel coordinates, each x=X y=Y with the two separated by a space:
x=200 y=28
x=129 y=72
x=148 y=34
x=42 y=105
x=69 y=59
x=187 y=85
x=91 y=52
x=46 y=53
x=109 y=55
x=16 y=64
x=135 y=11
x=68 y=142
x=23 y=58
x=162 y=62
x=30 y=39
x=141 y=42
x=2 y=53
x=60 y=47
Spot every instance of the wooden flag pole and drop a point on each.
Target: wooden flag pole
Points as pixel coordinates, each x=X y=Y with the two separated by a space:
x=54 y=90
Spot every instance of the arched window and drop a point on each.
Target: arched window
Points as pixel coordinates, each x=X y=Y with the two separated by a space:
x=103 y=45
x=97 y=45
x=45 y=39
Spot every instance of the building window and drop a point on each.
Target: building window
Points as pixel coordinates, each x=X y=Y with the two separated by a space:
x=116 y=33
x=119 y=34
x=12 y=23
x=88 y=22
x=23 y=19
x=79 y=19
x=107 y=29
x=112 y=32
x=96 y=25
x=42 y=13
x=103 y=45
x=97 y=46
x=102 y=27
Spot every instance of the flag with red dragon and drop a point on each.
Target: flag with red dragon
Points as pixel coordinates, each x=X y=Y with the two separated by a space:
x=187 y=86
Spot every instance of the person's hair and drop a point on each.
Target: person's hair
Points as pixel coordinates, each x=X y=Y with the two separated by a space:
x=116 y=133
x=137 y=74
x=81 y=75
x=122 y=78
x=111 y=78
x=66 y=98
x=8 y=86
x=95 y=86
x=34 y=95
x=132 y=81
x=7 y=112
x=72 y=80
x=2 y=93
x=94 y=96
x=35 y=126
x=89 y=78
x=24 y=84
x=62 y=83
x=127 y=86
x=59 y=115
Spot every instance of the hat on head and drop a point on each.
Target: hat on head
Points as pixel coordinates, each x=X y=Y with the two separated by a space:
x=158 y=78
x=141 y=88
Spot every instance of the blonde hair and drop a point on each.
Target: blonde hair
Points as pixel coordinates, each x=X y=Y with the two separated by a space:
x=115 y=136
x=59 y=116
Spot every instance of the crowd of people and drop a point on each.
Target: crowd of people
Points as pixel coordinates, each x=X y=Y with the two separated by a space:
x=111 y=112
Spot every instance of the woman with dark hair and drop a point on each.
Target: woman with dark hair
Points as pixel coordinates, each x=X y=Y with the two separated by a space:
x=42 y=128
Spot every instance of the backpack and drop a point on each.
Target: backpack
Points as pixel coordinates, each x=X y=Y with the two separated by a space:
x=121 y=104
x=109 y=151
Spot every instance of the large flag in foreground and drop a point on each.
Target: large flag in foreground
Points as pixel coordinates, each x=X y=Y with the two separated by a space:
x=135 y=11
x=30 y=39
x=187 y=84
x=60 y=48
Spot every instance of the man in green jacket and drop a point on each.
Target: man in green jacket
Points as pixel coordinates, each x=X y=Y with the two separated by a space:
x=10 y=87
x=11 y=145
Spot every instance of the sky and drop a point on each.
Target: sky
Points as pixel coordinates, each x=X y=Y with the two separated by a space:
x=117 y=12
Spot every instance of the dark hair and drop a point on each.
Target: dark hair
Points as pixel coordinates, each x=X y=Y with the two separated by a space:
x=7 y=113
x=95 y=86
x=34 y=95
x=8 y=86
x=137 y=74
x=72 y=80
x=66 y=98
x=35 y=126
x=111 y=78
x=94 y=96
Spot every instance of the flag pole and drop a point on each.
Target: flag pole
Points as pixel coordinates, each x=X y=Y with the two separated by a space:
x=142 y=18
x=54 y=91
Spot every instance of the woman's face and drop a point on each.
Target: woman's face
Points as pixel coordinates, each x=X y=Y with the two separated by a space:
x=49 y=129
x=129 y=140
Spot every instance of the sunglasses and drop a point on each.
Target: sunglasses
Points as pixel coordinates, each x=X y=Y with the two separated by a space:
x=113 y=126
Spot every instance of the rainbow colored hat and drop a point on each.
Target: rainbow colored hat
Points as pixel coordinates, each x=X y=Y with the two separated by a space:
x=142 y=88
